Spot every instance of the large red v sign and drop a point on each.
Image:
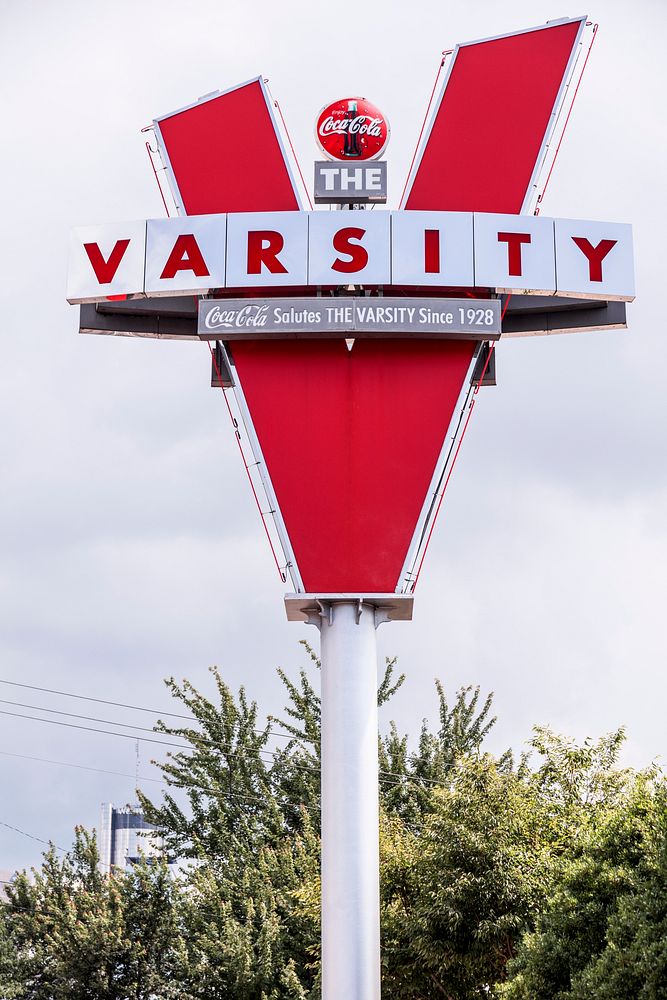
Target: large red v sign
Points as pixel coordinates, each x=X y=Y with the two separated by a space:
x=352 y=442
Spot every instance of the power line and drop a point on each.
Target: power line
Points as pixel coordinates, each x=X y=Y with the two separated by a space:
x=397 y=779
x=89 y=729
x=143 y=739
x=160 y=781
x=80 y=767
x=76 y=715
x=210 y=791
x=49 y=843
x=138 y=708
x=383 y=775
x=124 y=725
x=101 y=701
x=107 y=722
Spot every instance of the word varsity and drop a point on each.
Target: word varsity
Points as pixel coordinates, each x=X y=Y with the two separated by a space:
x=502 y=253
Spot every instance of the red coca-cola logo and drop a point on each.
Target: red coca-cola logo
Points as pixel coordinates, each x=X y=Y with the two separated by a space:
x=352 y=129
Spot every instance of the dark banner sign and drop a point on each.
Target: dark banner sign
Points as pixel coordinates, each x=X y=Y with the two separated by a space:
x=244 y=319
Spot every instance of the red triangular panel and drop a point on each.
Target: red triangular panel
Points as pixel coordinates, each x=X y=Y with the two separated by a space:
x=351 y=440
x=224 y=154
x=489 y=129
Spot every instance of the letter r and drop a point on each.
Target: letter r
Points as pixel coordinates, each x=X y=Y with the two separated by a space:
x=263 y=248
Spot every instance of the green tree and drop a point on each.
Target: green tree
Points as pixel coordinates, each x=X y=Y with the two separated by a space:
x=458 y=893
x=537 y=879
x=633 y=962
x=77 y=934
x=251 y=821
x=11 y=972
x=248 y=814
x=243 y=935
x=408 y=777
x=602 y=931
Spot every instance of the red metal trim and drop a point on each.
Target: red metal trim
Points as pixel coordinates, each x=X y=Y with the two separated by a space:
x=576 y=91
x=456 y=453
x=445 y=53
x=291 y=146
x=237 y=435
x=150 y=157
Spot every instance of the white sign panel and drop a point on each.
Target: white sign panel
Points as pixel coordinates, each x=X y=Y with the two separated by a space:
x=594 y=259
x=515 y=253
x=186 y=254
x=349 y=248
x=505 y=253
x=432 y=248
x=106 y=261
x=267 y=248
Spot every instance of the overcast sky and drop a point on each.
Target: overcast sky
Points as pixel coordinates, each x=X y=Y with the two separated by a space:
x=130 y=547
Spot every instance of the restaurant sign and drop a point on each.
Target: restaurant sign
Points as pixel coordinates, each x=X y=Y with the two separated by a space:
x=246 y=319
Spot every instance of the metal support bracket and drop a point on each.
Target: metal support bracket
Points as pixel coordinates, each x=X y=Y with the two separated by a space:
x=312 y=608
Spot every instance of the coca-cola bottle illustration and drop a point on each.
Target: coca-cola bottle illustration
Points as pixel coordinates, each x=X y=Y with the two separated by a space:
x=351 y=144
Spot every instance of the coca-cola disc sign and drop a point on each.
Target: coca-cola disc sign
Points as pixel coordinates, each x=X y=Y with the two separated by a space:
x=352 y=129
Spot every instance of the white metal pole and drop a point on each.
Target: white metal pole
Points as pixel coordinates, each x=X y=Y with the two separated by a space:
x=350 y=820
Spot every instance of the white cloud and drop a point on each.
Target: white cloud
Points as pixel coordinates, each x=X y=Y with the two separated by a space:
x=130 y=545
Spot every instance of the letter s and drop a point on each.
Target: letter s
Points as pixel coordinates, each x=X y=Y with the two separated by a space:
x=358 y=255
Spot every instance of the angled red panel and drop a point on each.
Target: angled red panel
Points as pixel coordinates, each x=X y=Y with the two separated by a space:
x=351 y=440
x=490 y=126
x=225 y=154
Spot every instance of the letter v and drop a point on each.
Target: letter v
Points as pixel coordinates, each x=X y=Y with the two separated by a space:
x=105 y=270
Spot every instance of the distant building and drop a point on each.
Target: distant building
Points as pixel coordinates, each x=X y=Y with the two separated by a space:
x=6 y=877
x=124 y=837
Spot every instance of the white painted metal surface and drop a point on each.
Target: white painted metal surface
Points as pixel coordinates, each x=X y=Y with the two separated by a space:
x=454 y=248
x=285 y=232
x=332 y=248
x=334 y=244
x=209 y=233
x=495 y=255
x=578 y=276
x=350 y=821
x=117 y=265
x=388 y=607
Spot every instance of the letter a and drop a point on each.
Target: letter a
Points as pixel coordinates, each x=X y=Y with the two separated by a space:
x=185 y=256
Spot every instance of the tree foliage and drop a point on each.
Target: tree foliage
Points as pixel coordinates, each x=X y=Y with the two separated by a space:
x=71 y=933
x=602 y=932
x=542 y=878
x=458 y=893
